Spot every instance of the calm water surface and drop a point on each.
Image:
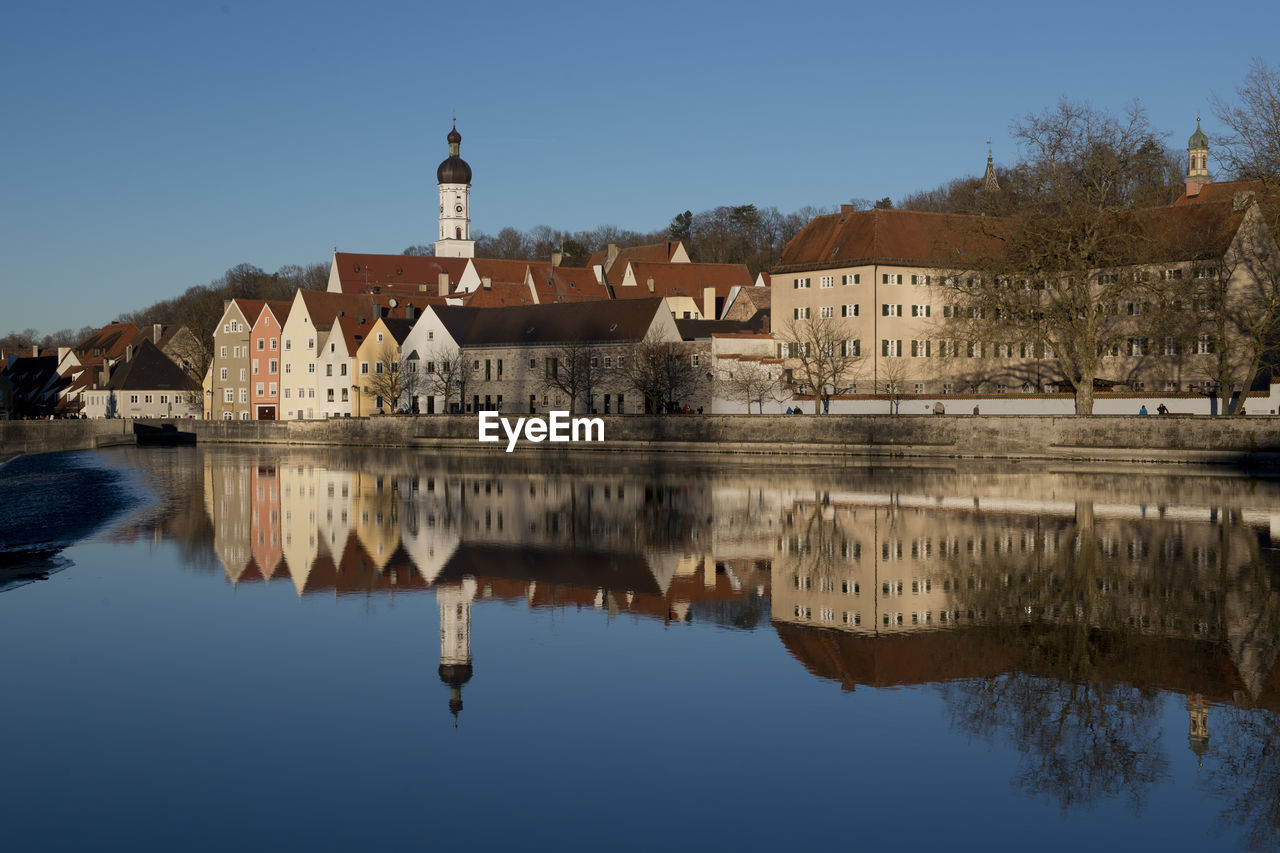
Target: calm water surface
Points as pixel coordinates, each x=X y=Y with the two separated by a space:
x=341 y=650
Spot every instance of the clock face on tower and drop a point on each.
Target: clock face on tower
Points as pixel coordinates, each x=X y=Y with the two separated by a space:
x=457 y=208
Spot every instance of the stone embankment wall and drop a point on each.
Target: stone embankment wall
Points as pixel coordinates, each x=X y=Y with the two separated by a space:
x=1150 y=438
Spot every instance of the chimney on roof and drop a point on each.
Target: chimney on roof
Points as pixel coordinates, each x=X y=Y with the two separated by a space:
x=846 y=208
x=486 y=282
x=128 y=353
x=610 y=255
x=156 y=331
x=709 y=303
x=764 y=324
x=35 y=351
x=556 y=257
x=442 y=284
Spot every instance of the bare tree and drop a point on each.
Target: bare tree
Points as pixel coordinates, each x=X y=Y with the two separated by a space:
x=412 y=383
x=661 y=371
x=573 y=369
x=822 y=356
x=386 y=379
x=1057 y=275
x=748 y=382
x=448 y=372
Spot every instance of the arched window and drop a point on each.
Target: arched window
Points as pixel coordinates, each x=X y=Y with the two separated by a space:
x=458 y=233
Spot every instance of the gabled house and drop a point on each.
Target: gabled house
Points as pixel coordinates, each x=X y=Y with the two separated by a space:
x=146 y=384
x=264 y=359
x=231 y=364
x=338 y=391
x=311 y=319
x=378 y=359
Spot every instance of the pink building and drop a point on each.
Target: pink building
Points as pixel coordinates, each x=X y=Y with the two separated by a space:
x=264 y=356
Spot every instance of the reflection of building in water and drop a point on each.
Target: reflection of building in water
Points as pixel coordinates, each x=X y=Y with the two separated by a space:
x=455 y=638
x=1198 y=736
x=551 y=539
x=1187 y=590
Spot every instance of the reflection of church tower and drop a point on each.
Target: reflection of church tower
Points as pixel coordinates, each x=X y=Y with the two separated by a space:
x=1197 y=161
x=454 y=178
x=1198 y=735
x=455 y=639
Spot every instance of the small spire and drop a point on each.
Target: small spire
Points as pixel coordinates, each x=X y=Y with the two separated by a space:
x=989 y=182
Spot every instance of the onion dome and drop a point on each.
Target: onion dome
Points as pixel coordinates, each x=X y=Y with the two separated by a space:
x=454 y=170
x=1198 y=139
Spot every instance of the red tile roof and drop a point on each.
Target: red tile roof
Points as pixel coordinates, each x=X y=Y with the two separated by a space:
x=322 y=306
x=358 y=273
x=683 y=280
x=903 y=237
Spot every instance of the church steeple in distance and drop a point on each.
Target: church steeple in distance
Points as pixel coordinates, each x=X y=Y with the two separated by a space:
x=1197 y=161
x=989 y=182
x=454 y=179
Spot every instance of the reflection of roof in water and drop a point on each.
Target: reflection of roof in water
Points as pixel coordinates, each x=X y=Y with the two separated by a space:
x=923 y=657
x=591 y=569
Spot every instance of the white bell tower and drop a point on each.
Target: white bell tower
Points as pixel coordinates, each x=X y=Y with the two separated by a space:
x=454 y=179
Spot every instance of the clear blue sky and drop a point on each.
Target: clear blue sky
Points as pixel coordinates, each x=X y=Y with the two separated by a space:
x=147 y=147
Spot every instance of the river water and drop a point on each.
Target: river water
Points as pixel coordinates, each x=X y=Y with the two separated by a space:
x=391 y=650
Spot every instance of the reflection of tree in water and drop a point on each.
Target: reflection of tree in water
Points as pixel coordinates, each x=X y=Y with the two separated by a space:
x=1082 y=738
x=1243 y=771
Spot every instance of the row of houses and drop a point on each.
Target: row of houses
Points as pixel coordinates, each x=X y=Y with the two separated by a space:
x=336 y=354
x=121 y=370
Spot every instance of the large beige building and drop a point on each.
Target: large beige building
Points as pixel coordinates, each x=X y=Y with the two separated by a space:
x=880 y=278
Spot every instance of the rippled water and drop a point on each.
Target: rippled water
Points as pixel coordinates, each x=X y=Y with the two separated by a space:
x=390 y=650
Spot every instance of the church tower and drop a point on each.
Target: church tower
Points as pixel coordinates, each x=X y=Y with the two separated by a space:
x=454 y=179
x=1197 y=161
x=989 y=182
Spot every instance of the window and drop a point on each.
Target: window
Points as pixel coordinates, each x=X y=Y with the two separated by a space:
x=273 y=366
x=1138 y=346
x=849 y=310
x=274 y=344
x=974 y=349
x=244 y=395
x=259 y=389
x=222 y=374
x=887 y=310
x=328 y=370
x=948 y=388
x=891 y=278
x=364 y=368
x=1172 y=275
x=1002 y=388
x=800 y=313
x=694 y=359
x=379 y=337
x=262 y=344
x=826 y=312
x=311 y=343
x=921 y=349
x=228 y=395
x=288 y=368
x=288 y=392
x=311 y=367
x=1204 y=345
x=377 y=368
x=890 y=348
x=920 y=280
x=271 y=389
x=800 y=284
x=1170 y=346
x=342 y=369
x=919 y=387
x=854 y=278
x=919 y=310
x=608 y=363
x=288 y=344
x=243 y=377
x=851 y=349
x=827 y=281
